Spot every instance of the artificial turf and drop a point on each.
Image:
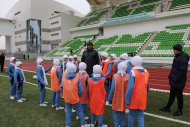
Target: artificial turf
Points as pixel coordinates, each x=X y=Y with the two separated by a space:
x=30 y=114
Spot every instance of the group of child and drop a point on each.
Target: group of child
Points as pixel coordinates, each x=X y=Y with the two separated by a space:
x=121 y=84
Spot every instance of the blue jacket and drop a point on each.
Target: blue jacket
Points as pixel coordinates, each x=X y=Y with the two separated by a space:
x=130 y=87
x=18 y=77
x=10 y=71
x=40 y=76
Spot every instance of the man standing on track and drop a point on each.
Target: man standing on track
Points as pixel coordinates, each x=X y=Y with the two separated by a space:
x=90 y=57
x=177 y=79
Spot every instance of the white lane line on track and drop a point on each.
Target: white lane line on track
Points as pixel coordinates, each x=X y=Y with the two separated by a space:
x=148 y=114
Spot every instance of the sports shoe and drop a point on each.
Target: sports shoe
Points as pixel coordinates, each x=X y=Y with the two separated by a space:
x=43 y=105
x=77 y=118
x=164 y=109
x=87 y=125
x=127 y=111
x=104 y=125
x=19 y=101
x=12 y=97
x=73 y=111
x=24 y=99
x=178 y=113
x=59 y=108
x=86 y=118
x=46 y=102
x=52 y=106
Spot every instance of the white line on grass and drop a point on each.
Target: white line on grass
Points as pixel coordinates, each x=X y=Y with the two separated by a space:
x=166 y=118
x=148 y=114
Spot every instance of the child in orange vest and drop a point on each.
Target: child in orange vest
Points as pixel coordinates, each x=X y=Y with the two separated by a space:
x=56 y=77
x=72 y=90
x=117 y=95
x=97 y=96
x=106 y=72
x=137 y=92
x=83 y=77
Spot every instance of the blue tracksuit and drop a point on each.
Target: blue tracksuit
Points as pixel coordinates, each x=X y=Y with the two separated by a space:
x=41 y=83
x=108 y=85
x=56 y=95
x=10 y=71
x=18 y=80
x=116 y=114
x=77 y=106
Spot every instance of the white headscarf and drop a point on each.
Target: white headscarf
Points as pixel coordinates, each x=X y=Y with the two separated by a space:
x=71 y=68
x=12 y=59
x=137 y=61
x=18 y=63
x=97 y=71
x=122 y=68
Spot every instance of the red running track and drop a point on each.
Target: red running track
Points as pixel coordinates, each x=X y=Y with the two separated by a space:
x=158 y=76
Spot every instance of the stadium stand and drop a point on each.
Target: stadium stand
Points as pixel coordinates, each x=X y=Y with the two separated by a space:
x=180 y=4
x=74 y=44
x=161 y=45
x=94 y=17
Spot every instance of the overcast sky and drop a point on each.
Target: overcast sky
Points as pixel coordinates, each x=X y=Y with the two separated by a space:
x=5 y=5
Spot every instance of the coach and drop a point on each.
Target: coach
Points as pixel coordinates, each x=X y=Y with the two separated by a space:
x=90 y=57
x=177 y=79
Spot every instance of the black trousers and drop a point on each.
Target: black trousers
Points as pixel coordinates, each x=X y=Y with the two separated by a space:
x=173 y=93
x=2 y=67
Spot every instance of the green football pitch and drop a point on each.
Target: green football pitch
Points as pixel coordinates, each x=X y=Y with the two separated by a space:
x=30 y=114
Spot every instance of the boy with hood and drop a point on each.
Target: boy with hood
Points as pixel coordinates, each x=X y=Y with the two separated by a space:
x=72 y=90
x=56 y=77
x=64 y=64
x=97 y=96
x=42 y=81
x=124 y=58
x=117 y=95
x=10 y=71
x=137 y=92
x=106 y=71
x=19 y=80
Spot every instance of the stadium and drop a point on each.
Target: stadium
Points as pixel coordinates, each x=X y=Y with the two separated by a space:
x=147 y=28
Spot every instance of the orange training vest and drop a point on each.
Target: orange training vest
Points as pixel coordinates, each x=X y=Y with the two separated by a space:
x=70 y=90
x=118 y=102
x=139 y=95
x=105 y=67
x=97 y=95
x=84 y=97
x=55 y=83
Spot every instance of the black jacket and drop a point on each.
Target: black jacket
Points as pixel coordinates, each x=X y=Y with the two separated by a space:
x=91 y=58
x=178 y=74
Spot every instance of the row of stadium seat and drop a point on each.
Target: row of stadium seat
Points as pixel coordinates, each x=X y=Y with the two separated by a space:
x=120 y=50
x=177 y=3
x=73 y=44
x=130 y=39
x=94 y=17
x=120 y=11
x=178 y=27
x=106 y=41
x=148 y=1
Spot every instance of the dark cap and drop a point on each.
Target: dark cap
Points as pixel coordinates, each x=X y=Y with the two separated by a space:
x=89 y=44
x=177 y=47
